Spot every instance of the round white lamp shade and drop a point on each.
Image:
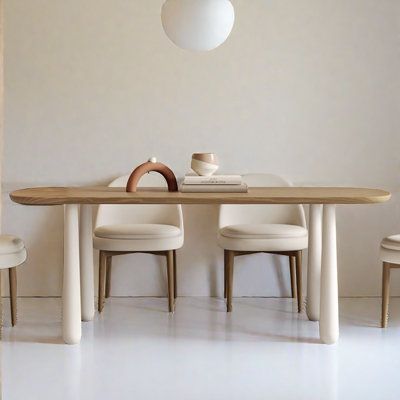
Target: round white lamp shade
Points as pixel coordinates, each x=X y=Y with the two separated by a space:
x=197 y=24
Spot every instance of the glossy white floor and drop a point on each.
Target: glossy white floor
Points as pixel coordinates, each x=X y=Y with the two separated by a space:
x=264 y=349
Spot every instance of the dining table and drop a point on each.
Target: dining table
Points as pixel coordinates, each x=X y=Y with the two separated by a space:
x=78 y=270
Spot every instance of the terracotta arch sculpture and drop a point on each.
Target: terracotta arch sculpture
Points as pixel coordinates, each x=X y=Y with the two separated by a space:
x=149 y=166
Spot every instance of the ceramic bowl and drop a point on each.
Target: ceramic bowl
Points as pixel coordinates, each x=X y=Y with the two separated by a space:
x=204 y=168
x=210 y=158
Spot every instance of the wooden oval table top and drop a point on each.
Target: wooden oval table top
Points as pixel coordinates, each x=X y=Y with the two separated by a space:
x=49 y=196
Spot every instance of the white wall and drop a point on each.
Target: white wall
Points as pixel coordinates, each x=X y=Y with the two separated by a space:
x=307 y=89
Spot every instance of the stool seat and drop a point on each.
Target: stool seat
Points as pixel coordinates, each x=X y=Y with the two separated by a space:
x=12 y=251
x=10 y=244
x=390 y=256
x=391 y=242
x=12 y=254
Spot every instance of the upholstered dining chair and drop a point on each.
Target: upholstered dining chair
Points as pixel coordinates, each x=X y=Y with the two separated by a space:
x=12 y=254
x=273 y=229
x=125 y=229
x=390 y=256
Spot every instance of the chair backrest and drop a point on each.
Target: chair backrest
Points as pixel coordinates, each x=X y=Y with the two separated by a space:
x=169 y=214
x=235 y=214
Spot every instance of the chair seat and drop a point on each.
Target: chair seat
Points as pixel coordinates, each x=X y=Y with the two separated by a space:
x=391 y=242
x=12 y=251
x=138 y=237
x=263 y=231
x=137 y=231
x=263 y=237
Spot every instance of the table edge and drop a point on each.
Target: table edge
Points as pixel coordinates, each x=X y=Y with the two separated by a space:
x=227 y=198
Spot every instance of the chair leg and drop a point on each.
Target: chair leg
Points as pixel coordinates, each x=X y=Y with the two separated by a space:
x=108 y=276
x=102 y=279
x=225 y=273
x=299 y=280
x=385 y=294
x=292 y=263
x=175 y=277
x=230 y=263
x=170 y=276
x=12 y=274
x=1 y=310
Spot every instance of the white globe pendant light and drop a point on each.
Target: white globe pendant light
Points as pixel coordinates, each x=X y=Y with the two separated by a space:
x=197 y=24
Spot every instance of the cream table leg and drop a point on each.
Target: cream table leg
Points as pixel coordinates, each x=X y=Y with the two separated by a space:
x=86 y=261
x=329 y=309
x=71 y=296
x=314 y=262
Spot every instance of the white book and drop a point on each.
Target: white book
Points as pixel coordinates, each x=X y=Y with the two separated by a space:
x=213 y=188
x=213 y=180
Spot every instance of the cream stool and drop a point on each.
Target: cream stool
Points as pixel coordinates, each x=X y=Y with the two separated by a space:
x=390 y=255
x=12 y=254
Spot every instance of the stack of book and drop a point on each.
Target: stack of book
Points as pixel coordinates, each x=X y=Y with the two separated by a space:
x=213 y=184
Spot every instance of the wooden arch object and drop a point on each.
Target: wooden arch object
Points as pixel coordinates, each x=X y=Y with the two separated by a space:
x=149 y=166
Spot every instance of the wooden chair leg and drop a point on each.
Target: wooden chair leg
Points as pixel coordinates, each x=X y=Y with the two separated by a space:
x=299 y=280
x=1 y=310
x=292 y=263
x=230 y=263
x=102 y=279
x=225 y=273
x=108 y=275
x=170 y=276
x=175 y=277
x=385 y=294
x=12 y=273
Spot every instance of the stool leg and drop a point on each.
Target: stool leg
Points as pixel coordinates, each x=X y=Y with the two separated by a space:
x=299 y=280
x=12 y=273
x=292 y=262
x=385 y=294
